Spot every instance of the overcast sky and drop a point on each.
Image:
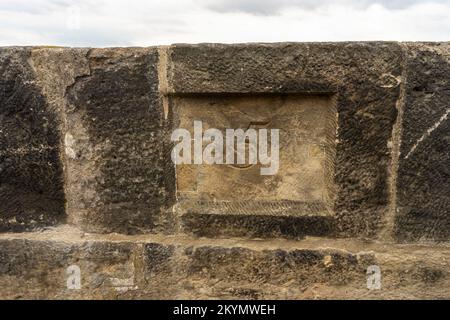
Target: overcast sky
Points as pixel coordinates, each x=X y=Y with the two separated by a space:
x=142 y=23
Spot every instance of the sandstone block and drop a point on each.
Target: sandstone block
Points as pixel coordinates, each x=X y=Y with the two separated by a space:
x=119 y=174
x=423 y=183
x=31 y=170
x=361 y=81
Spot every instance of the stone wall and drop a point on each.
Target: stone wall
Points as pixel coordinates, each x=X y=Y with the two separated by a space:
x=87 y=178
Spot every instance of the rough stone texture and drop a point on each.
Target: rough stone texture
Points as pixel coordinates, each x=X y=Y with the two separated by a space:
x=102 y=109
x=152 y=267
x=37 y=269
x=84 y=147
x=424 y=164
x=117 y=178
x=365 y=79
x=256 y=226
x=31 y=174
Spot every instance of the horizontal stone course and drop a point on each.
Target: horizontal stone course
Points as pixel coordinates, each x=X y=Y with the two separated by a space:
x=155 y=267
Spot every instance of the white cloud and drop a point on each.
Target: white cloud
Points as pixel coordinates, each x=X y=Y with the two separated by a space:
x=270 y=7
x=144 y=23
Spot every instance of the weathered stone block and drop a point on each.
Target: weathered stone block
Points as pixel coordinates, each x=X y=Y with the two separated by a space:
x=256 y=225
x=31 y=174
x=119 y=174
x=363 y=79
x=302 y=188
x=423 y=183
x=42 y=269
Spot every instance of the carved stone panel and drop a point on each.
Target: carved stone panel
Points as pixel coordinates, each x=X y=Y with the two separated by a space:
x=303 y=184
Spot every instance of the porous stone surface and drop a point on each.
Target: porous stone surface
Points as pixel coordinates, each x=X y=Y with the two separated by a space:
x=256 y=226
x=114 y=136
x=31 y=174
x=114 y=142
x=424 y=164
x=365 y=80
x=178 y=267
x=87 y=182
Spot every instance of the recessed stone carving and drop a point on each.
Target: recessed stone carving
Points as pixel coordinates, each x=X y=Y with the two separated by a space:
x=303 y=184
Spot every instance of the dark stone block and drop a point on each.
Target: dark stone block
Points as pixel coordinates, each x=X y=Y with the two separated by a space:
x=214 y=225
x=158 y=259
x=119 y=179
x=31 y=174
x=363 y=78
x=423 y=183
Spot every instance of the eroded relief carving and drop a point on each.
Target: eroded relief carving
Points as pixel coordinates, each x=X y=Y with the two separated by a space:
x=303 y=184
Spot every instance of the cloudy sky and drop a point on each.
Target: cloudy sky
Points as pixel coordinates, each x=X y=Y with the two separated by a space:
x=103 y=23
